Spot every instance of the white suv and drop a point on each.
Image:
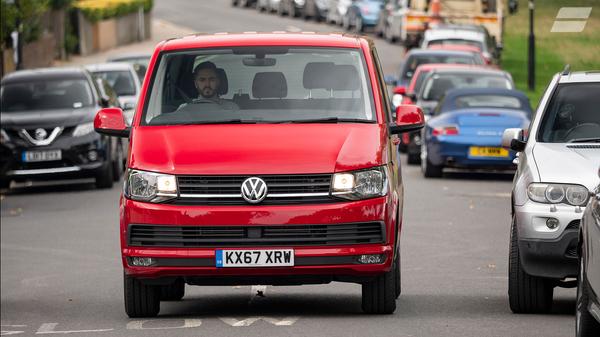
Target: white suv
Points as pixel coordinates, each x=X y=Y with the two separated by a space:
x=558 y=160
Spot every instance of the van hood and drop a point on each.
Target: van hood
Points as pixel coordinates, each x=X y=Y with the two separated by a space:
x=257 y=148
x=574 y=163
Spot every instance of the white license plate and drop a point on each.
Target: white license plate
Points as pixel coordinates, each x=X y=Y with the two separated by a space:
x=35 y=156
x=255 y=258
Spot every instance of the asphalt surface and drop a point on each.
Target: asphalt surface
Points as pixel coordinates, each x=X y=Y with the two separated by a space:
x=61 y=271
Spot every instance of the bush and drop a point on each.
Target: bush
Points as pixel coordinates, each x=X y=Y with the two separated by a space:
x=96 y=10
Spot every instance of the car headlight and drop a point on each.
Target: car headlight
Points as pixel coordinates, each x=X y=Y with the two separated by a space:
x=150 y=186
x=4 y=138
x=361 y=184
x=575 y=195
x=83 y=129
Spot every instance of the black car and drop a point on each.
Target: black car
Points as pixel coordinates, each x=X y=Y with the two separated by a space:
x=48 y=131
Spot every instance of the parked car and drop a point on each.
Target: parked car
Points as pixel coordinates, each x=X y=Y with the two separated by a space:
x=587 y=317
x=362 y=14
x=465 y=130
x=316 y=9
x=303 y=204
x=462 y=47
x=337 y=11
x=390 y=20
x=267 y=5
x=292 y=8
x=139 y=62
x=47 y=129
x=558 y=160
x=243 y=3
x=124 y=81
x=471 y=35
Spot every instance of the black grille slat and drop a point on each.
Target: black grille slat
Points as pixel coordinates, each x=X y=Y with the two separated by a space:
x=573 y=225
x=239 y=236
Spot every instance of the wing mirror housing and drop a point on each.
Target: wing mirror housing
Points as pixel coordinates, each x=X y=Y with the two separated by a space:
x=513 y=139
x=409 y=118
x=111 y=122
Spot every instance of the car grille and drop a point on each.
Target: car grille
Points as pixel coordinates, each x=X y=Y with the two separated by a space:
x=226 y=190
x=239 y=236
x=573 y=225
x=584 y=146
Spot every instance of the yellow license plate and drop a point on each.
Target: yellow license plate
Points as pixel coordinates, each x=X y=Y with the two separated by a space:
x=480 y=151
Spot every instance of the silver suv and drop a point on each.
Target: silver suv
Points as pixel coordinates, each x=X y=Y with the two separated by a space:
x=558 y=158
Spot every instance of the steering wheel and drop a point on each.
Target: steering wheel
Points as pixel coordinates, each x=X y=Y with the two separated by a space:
x=594 y=130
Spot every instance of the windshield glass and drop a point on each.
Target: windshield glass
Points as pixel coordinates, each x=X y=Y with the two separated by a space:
x=488 y=101
x=572 y=114
x=260 y=85
x=121 y=81
x=438 y=84
x=45 y=95
x=414 y=61
x=454 y=42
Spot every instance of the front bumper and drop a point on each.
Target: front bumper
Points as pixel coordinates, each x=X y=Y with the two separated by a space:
x=548 y=252
x=319 y=262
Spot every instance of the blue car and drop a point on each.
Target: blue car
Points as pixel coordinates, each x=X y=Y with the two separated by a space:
x=465 y=130
x=362 y=14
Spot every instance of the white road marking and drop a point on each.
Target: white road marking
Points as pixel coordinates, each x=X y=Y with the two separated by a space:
x=187 y=323
x=286 y=321
x=48 y=328
x=11 y=332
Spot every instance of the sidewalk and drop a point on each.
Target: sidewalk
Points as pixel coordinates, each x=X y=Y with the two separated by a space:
x=161 y=30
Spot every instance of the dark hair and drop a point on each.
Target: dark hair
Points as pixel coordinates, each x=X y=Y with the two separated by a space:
x=204 y=65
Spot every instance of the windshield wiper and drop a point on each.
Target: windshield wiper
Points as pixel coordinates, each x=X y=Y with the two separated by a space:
x=585 y=140
x=328 y=120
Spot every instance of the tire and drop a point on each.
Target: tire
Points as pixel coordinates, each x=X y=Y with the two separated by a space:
x=105 y=179
x=173 y=292
x=429 y=170
x=118 y=165
x=379 y=295
x=398 y=275
x=585 y=324
x=234 y=3
x=414 y=158
x=526 y=294
x=5 y=184
x=141 y=300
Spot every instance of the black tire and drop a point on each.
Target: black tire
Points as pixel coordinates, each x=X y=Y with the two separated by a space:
x=585 y=324
x=430 y=170
x=118 y=164
x=173 y=292
x=104 y=179
x=526 y=294
x=379 y=295
x=414 y=158
x=234 y=2
x=141 y=300
x=398 y=275
x=4 y=184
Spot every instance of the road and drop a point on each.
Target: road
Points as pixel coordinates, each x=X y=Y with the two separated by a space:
x=61 y=272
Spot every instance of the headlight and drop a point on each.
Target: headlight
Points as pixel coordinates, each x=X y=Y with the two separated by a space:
x=4 y=138
x=362 y=184
x=150 y=186
x=575 y=195
x=83 y=129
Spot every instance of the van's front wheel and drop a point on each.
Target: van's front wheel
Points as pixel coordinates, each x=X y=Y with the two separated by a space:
x=379 y=295
x=141 y=300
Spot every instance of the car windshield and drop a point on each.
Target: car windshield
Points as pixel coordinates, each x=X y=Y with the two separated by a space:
x=420 y=79
x=488 y=101
x=260 y=85
x=455 y=42
x=572 y=115
x=45 y=95
x=437 y=85
x=414 y=61
x=121 y=81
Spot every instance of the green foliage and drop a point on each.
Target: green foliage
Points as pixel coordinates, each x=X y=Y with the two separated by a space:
x=27 y=13
x=96 y=13
x=60 y=4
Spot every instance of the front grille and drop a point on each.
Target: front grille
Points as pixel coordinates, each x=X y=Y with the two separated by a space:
x=571 y=252
x=573 y=225
x=584 y=146
x=226 y=190
x=240 y=236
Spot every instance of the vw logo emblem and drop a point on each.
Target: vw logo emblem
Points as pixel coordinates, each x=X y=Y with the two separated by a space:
x=40 y=134
x=254 y=190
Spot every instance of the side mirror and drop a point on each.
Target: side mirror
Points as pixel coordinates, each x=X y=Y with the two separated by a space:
x=408 y=118
x=110 y=121
x=513 y=139
x=400 y=90
x=390 y=79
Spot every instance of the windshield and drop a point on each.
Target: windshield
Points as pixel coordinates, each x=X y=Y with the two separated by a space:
x=121 y=81
x=414 y=61
x=572 y=114
x=45 y=95
x=420 y=79
x=488 y=101
x=260 y=85
x=455 y=42
x=438 y=84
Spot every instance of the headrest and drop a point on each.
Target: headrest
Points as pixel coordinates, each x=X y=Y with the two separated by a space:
x=224 y=83
x=345 y=77
x=316 y=75
x=269 y=85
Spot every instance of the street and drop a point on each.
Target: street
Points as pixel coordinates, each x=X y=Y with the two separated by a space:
x=61 y=269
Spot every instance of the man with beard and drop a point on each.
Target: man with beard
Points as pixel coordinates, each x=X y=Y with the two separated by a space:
x=207 y=83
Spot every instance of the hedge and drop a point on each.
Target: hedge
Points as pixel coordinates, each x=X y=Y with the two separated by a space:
x=96 y=10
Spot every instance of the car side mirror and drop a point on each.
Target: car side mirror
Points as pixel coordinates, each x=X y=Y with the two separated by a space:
x=408 y=118
x=400 y=90
x=111 y=122
x=513 y=139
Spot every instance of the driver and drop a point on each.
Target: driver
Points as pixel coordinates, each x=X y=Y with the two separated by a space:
x=207 y=83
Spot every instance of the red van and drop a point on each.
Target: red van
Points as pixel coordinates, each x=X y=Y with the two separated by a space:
x=261 y=159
